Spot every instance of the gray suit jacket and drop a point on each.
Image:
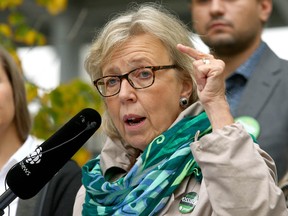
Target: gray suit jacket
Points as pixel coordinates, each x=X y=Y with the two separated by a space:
x=265 y=99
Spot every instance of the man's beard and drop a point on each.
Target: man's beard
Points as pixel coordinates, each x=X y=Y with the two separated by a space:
x=228 y=46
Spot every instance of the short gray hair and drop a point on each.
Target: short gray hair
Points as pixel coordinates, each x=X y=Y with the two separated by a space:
x=149 y=18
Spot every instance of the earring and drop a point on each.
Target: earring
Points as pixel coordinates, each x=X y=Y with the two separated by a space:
x=183 y=102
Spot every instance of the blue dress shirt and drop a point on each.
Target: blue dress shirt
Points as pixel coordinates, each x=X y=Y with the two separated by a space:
x=236 y=82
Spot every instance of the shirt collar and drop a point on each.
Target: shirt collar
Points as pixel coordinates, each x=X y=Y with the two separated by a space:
x=28 y=146
x=247 y=68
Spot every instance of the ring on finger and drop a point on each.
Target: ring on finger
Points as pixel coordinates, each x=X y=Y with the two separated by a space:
x=206 y=61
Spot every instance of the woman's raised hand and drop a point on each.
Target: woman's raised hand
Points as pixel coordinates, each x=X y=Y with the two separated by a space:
x=210 y=79
x=208 y=73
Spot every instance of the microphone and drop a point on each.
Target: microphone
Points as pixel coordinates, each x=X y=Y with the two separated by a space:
x=26 y=178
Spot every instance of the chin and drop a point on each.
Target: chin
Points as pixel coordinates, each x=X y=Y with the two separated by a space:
x=138 y=144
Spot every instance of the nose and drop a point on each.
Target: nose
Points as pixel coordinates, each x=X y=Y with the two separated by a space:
x=217 y=7
x=127 y=92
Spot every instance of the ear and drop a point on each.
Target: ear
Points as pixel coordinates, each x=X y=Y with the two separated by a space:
x=187 y=89
x=265 y=10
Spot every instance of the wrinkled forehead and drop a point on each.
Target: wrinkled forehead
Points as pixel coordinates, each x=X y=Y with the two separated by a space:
x=138 y=51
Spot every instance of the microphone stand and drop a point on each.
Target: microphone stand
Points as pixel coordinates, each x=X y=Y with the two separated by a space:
x=5 y=199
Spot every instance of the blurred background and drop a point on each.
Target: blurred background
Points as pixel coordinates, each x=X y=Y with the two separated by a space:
x=49 y=40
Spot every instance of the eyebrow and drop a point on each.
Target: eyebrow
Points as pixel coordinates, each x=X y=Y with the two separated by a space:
x=111 y=71
x=133 y=64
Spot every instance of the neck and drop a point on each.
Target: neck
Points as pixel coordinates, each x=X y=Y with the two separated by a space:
x=9 y=143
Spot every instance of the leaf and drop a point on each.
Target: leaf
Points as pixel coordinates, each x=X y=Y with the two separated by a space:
x=31 y=91
x=5 y=4
x=40 y=39
x=56 y=6
x=20 y=33
x=16 y=18
x=5 y=30
x=82 y=156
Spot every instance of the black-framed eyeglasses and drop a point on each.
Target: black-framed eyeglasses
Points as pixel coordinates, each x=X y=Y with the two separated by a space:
x=138 y=78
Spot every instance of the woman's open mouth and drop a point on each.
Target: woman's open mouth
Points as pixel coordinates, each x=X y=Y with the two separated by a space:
x=133 y=121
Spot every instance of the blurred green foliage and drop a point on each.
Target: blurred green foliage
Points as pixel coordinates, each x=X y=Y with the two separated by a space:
x=15 y=30
x=57 y=106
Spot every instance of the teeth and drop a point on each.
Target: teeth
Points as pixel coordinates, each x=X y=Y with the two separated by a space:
x=133 y=121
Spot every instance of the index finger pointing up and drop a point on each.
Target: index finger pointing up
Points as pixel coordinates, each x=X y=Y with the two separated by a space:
x=197 y=55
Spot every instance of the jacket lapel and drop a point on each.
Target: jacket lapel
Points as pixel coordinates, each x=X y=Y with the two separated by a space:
x=260 y=86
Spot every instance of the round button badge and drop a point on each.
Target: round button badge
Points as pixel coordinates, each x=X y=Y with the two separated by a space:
x=188 y=202
x=250 y=124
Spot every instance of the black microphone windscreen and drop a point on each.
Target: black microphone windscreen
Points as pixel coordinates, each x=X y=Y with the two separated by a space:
x=30 y=175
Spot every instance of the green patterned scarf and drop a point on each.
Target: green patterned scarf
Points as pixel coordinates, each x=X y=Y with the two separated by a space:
x=146 y=188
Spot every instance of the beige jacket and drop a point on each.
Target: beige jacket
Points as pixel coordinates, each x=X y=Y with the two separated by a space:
x=238 y=177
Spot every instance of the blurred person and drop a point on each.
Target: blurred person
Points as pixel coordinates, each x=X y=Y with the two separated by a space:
x=256 y=78
x=57 y=197
x=172 y=145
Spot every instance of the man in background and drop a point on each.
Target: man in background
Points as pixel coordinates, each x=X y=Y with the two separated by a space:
x=257 y=79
